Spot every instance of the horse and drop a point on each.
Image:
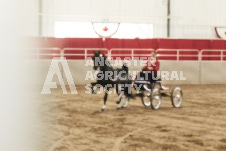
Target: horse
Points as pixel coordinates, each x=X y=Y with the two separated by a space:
x=109 y=77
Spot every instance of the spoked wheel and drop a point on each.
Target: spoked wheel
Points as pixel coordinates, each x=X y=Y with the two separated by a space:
x=156 y=99
x=124 y=100
x=146 y=99
x=176 y=97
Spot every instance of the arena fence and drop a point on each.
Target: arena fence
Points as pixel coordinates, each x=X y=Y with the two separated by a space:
x=178 y=54
x=199 y=67
x=214 y=55
x=81 y=53
x=133 y=54
x=44 y=53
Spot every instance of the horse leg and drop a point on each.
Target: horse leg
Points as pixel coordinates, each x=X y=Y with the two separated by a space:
x=127 y=90
x=117 y=91
x=92 y=85
x=120 y=94
x=105 y=99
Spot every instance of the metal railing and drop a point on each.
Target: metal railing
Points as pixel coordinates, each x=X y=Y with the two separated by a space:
x=213 y=54
x=133 y=52
x=176 y=54
x=87 y=52
x=40 y=53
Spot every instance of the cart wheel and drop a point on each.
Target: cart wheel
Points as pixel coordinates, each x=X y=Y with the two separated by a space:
x=156 y=99
x=146 y=99
x=176 y=97
x=124 y=100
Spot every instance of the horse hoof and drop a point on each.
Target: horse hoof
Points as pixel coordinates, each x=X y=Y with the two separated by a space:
x=102 y=110
x=118 y=108
x=117 y=102
x=94 y=92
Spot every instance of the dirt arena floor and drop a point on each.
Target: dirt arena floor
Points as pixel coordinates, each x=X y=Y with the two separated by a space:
x=75 y=122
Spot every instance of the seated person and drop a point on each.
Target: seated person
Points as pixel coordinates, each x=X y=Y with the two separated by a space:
x=153 y=65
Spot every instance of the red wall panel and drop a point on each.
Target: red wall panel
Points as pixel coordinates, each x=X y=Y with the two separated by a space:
x=218 y=44
x=184 y=43
x=128 y=43
x=47 y=42
x=167 y=44
x=83 y=43
x=113 y=43
x=201 y=44
x=148 y=43
x=109 y=43
x=121 y=43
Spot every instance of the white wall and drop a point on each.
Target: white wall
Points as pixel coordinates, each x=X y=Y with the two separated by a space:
x=213 y=72
x=17 y=106
x=197 y=18
x=32 y=12
x=189 y=18
x=127 y=11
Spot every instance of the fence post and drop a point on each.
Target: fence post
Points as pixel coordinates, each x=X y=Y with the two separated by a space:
x=61 y=53
x=37 y=53
x=200 y=66
x=109 y=53
x=85 y=53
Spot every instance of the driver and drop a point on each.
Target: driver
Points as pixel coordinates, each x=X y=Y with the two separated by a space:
x=153 y=65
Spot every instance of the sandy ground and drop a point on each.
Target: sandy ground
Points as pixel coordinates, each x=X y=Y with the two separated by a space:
x=75 y=122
